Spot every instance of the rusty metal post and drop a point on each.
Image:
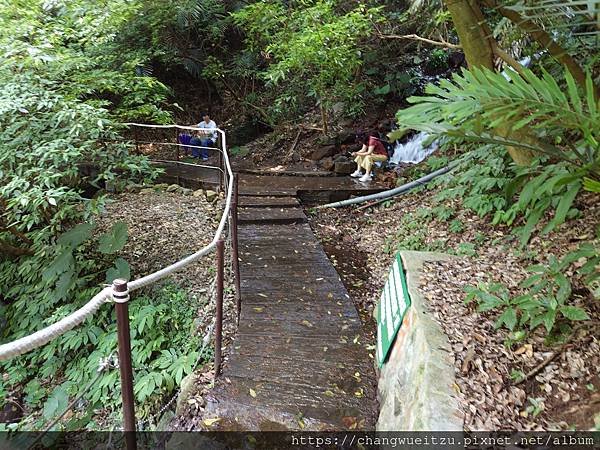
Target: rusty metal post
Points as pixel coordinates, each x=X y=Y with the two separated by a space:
x=135 y=136
x=177 y=155
x=219 y=318
x=121 y=298
x=234 y=247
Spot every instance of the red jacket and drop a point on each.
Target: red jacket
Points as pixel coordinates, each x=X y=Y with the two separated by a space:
x=379 y=148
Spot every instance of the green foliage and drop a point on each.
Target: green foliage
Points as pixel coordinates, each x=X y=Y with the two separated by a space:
x=312 y=47
x=411 y=235
x=476 y=104
x=162 y=322
x=115 y=239
x=65 y=84
x=402 y=84
x=489 y=185
x=438 y=58
x=547 y=293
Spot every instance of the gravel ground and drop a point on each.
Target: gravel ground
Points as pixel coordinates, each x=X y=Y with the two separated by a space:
x=565 y=393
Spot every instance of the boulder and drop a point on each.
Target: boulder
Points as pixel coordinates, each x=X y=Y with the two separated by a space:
x=186 y=191
x=211 y=196
x=346 y=136
x=133 y=188
x=344 y=167
x=174 y=188
x=322 y=152
x=327 y=163
x=161 y=186
x=147 y=191
x=340 y=158
x=185 y=391
x=198 y=193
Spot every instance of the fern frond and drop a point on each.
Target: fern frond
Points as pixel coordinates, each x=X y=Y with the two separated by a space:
x=478 y=101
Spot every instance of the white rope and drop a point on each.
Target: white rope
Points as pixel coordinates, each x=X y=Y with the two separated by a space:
x=42 y=337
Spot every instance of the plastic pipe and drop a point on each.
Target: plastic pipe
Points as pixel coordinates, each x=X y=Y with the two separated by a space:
x=392 y=192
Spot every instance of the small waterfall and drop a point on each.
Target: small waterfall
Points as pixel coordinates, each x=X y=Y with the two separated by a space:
x=412 y=151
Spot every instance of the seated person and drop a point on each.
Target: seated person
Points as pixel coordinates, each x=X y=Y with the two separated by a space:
x=372 y=150
x=185 y=139
x=207 y=138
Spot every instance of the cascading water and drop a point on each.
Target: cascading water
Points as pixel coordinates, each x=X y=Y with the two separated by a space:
x=413 y=151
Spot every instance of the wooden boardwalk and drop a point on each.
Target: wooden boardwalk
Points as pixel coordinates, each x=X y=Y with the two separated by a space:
x=298 y=361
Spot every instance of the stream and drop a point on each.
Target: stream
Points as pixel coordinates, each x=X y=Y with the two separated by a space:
x=413 y=151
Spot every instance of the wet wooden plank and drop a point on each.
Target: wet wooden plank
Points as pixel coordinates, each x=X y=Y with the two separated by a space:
x=261 y=202
x=271 y=215
x=299 y=344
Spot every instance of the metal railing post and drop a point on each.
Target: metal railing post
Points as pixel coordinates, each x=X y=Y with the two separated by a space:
x=234 y=247
x=137 y=145
x=121 y=299
x=219 y=318
x=222 y=167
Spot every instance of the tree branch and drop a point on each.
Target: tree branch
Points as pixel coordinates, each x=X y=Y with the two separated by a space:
x=9 y=249
x=507 y=58
x=414 y=37
x=546 y=41
x=237 y=98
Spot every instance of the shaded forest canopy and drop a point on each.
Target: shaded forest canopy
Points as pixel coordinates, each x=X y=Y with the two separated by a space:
x=526 y=110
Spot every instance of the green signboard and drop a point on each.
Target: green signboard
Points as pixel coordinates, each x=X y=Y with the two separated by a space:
x=391 y=308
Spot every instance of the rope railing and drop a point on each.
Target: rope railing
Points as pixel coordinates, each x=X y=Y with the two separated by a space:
x=118 y=293
x=221 y=151
x=42 y=337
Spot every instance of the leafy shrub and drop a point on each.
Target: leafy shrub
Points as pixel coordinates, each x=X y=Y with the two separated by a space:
x=165 y=348
x=547 y=293
x=311 y=46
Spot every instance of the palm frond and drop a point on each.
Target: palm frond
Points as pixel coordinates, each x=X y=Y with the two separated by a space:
x=582 y=17
x=563 y=121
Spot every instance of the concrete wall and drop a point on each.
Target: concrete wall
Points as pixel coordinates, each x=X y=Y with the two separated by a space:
x=416 y=385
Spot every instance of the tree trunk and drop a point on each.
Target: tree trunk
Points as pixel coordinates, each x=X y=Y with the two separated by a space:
x=479 y=52
x=546 y=41
x=324 y=119
x=477 y=48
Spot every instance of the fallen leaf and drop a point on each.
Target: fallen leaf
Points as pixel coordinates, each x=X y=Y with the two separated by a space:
x=252 y=393
x=211 y=422
x=349 y=421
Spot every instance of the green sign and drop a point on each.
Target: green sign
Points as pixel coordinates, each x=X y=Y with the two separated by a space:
x=391 y=308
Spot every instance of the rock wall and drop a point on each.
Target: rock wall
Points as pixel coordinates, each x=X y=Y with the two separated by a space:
x=416 y=389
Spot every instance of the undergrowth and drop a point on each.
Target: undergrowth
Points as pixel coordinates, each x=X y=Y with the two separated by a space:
x=165 y=348
x=531 y=201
